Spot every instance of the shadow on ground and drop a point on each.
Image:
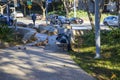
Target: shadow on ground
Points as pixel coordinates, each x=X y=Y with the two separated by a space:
x=39 y=63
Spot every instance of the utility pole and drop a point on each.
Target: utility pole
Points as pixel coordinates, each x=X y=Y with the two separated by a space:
x=15 y=19
x=97 y=28
x=47 y=2
x=46 y=12
x=74 y=8
x=8 y=13
x=15 y=5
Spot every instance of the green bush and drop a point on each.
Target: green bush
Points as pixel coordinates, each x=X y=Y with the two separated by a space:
x=57 y=12
x=83 y=14
x=88 y=38
x=6 y=34
x=80 y=13
x=109 y=37
x=108 y=66
x=114 y=36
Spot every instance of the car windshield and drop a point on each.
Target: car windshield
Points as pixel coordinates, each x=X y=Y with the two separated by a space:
x=112 y=17
x=61 y=17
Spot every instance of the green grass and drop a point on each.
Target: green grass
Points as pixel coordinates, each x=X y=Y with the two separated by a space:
x=83 y=14
x=80 y=14
x=105 y=68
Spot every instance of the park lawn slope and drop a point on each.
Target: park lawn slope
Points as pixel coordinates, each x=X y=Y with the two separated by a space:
x=108 y=66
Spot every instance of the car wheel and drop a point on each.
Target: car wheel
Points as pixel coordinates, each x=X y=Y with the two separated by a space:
x=81 y=21
x=105 y=23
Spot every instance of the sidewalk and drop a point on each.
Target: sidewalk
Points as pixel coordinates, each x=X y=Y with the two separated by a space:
x=39 y=63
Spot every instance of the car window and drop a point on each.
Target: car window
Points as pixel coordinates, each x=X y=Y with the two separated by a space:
x=114 y=18
x=108 y=18
x=61 y=17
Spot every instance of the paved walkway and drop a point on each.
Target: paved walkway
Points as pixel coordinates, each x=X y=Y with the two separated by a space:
x=39 y=63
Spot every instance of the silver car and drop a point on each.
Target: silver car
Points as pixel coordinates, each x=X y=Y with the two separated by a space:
x=111 y=21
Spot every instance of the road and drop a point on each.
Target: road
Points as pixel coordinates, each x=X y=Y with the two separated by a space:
x=29 y=21
x=85 y=25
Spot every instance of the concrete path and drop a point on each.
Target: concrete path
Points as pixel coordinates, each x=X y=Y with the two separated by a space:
x=39 y=63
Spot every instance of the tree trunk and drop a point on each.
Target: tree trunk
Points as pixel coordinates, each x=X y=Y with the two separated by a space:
x=43 y=9
x=53 y=5
x=66 y=9
x=44 y=16
x=89 y=16
x=24 y=9
x=2 y=9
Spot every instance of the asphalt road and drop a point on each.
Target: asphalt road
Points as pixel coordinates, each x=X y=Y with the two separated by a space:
x=29 y=20
x=85 y=25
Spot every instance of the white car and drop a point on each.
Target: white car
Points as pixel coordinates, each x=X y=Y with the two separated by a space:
x=19 y=14
x=111 y=21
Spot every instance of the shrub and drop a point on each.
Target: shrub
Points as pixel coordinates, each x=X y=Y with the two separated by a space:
x=80 y=13
x=6 y=34
x=57 y=12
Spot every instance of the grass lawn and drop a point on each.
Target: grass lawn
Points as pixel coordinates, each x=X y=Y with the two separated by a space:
x=83 y=14
x=105 y=68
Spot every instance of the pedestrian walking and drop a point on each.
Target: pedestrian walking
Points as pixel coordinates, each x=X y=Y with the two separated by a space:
x=34 y=18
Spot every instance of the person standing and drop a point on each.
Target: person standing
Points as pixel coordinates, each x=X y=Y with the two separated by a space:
x=34 y=18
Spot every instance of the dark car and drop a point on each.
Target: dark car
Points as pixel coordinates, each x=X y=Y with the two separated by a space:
x=6 y=20
x=74 y=20
x=63 y=19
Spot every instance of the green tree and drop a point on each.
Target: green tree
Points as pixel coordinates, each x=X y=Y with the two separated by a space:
x=3 y=6
x=67 y=5
x=41 y=3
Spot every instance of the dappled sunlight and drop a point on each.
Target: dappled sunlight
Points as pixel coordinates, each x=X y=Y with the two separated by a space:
x=107 y=64
x=12 y=69
x=44 y=68
x=35 y=63
x=105 y=68
x=85 y=49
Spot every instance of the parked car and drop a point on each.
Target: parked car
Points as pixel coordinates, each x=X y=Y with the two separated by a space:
x=111 y=21
x=4 y=20
x=19 y=14
x=38 y=16
x=74 y=20
x=63 y=19
x=51 y=16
